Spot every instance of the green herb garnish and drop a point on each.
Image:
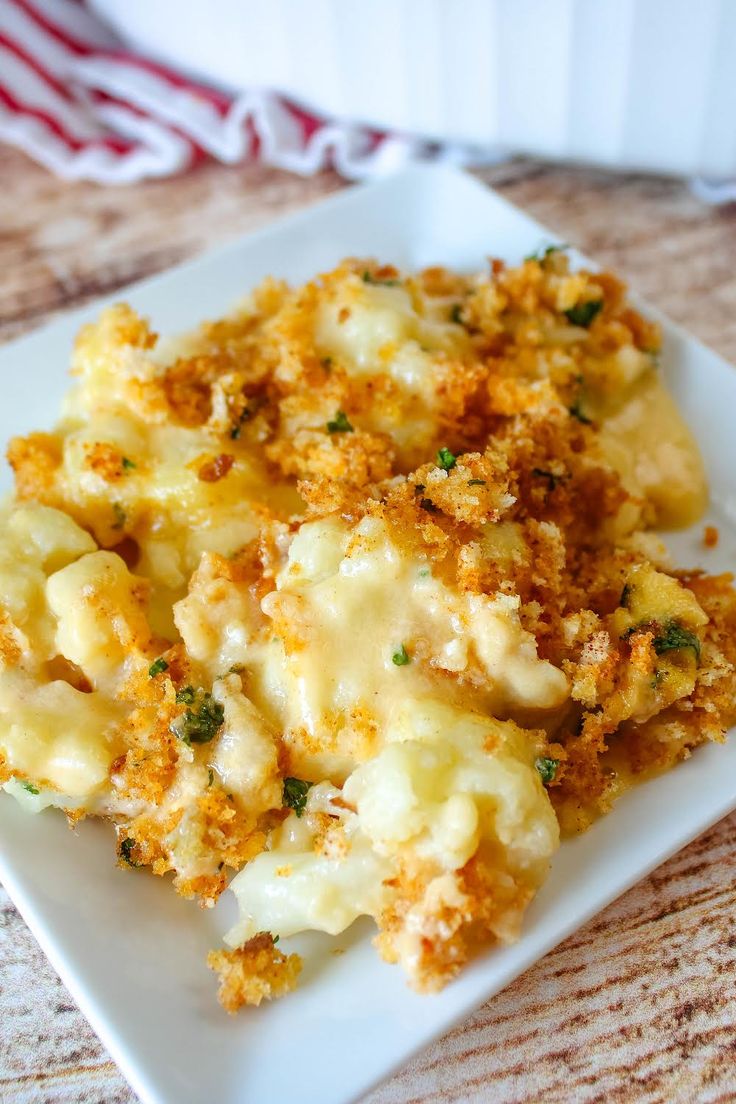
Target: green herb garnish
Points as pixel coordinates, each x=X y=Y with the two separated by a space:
x=157 y=667
x=547 y=769
x=401 y=658
x=295 y=794
x=30 y=788
x=543 y=252
x=456 y=314
x=275 y=939
x=670 y=637
x=445 y=459
x=476 y=482
x=128 y=465
x=200 y=724
x=369 y=278
x=576 y=412
x=552 y=479
x=674 y=637
x=658 y=677
x=120 y=515
x=582 y=314
x=339 y=423
x=625 y=595
x=126 y=851
x=245 y=414
x=210 y=776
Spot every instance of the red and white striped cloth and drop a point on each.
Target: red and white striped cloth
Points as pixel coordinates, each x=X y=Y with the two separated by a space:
x=77 y=101
x=82 y=104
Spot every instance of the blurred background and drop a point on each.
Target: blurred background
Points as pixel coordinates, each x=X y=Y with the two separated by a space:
x=136 y=133
x=118 y=91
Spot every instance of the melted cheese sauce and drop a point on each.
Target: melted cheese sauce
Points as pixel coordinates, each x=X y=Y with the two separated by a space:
x=651 y=447
x=49 y=730
x=58 y=735
x=376 y=333
x=344 y=606
x=446 y=783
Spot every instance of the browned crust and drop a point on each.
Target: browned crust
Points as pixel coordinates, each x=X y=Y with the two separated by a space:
x=255 y=972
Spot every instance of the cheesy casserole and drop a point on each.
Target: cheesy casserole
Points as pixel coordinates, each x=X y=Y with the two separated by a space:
x=351 y=601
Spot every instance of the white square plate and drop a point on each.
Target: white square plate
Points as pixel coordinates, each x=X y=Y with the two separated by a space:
x=131 y=952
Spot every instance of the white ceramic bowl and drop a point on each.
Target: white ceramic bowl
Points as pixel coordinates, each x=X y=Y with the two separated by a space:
x=647 y=84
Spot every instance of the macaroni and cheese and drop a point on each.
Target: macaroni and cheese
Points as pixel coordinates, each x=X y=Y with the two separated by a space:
x=351 y=601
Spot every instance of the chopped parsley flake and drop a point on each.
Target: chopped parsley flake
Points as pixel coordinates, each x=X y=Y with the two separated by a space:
x=674 y=637
x=545 y=251
x=295 y=794
x=446 y=459
x=245 y=414
x=200 y=724
x=401 y=658
x=210 y=776
x=120 y=515
x=476 y=482
x=552 y=479
x=546 y=768
x=30 y=788
x=339 y=423
x=658 y=677
x=126 y=851
x=582 y=314
x=157 y=667
x=456 y=314
x=369 y=278
x=276 y=939
x=670 y=637
x=625 y=595
x=576 y=412
x=128 y=465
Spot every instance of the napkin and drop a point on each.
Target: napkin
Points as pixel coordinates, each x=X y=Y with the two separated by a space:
x=79 y=102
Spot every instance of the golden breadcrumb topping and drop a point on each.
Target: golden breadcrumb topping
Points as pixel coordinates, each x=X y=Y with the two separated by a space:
x=255 y=972
x=351 y=601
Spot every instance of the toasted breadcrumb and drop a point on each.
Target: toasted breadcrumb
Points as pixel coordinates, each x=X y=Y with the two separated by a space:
x=710 y=536
x=254 y=972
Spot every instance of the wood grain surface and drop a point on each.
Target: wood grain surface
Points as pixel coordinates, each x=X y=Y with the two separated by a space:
x=640 y=1004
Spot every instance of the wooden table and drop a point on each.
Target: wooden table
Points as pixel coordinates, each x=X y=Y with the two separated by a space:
x=639 y=1004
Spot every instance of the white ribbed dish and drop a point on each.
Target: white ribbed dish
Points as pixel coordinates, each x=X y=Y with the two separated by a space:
x=648 y=84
